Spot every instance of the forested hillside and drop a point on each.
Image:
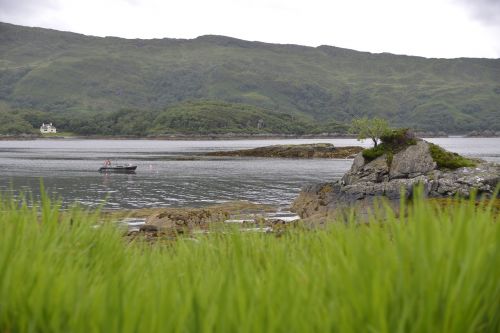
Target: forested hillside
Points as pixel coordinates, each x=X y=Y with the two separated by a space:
x=85 y=81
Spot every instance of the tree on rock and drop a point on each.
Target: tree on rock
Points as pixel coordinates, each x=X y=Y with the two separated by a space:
x=366 y=128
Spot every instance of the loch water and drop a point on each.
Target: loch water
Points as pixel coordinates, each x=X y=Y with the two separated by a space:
x=175 y=173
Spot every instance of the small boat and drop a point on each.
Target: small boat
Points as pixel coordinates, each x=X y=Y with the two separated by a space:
x=119 y=168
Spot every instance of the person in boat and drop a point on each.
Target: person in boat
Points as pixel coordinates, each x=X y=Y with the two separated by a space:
x=107 y=163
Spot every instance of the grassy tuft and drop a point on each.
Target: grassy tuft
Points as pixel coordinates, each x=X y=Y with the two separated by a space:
x=400 y=137
x=431 y=269
x=449 y=160
x=372 y=153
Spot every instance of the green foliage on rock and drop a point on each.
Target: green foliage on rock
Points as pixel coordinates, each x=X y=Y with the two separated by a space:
x=449 y=160
x=392 y=141
x=374 y=152
x=62 y=72
x=398 y=138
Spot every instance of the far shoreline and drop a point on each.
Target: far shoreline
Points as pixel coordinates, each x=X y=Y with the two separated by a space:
x=214 y=137
x=178 y=137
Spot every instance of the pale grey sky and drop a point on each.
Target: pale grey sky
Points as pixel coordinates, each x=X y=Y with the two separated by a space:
x=430 y=28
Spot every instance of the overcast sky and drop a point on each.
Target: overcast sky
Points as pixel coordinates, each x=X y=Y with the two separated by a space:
x=430 y=28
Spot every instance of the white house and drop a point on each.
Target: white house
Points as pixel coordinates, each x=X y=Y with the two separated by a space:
x=47 y=128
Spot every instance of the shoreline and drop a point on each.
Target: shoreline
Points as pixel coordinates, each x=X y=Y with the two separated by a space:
x=209 y=137
x=177 y=137
x=227 y=209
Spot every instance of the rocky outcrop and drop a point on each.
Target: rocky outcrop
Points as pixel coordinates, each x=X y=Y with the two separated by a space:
x=317 y=150
x=390 y=178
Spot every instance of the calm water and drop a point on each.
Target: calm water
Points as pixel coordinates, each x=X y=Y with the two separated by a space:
x=171 y=173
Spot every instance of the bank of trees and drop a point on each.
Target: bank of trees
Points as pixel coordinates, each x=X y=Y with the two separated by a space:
x=14 y=124
x=199 y=117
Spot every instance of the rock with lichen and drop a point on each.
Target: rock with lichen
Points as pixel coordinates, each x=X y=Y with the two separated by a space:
x=173 y=221
x=181 y=220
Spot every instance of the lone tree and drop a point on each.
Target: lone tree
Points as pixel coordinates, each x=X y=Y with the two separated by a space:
x=366 y=128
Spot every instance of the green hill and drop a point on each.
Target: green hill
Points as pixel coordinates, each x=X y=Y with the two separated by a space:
x=76 y=78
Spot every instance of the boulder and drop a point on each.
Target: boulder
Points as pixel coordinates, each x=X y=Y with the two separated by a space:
x=375 y=171
x=382 y=178
x=412 y=162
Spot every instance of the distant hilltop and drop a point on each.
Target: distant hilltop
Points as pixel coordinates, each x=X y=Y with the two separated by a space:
x=80 y=77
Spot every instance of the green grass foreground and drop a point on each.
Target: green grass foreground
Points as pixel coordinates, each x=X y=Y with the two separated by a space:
x=437 y=270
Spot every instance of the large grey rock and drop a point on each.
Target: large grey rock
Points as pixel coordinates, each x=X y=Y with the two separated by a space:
x=411 y=162
x=375 y=171
x=367 y=181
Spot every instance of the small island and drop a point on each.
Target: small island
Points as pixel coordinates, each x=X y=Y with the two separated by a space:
x=314 y=150
x=393 y=170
